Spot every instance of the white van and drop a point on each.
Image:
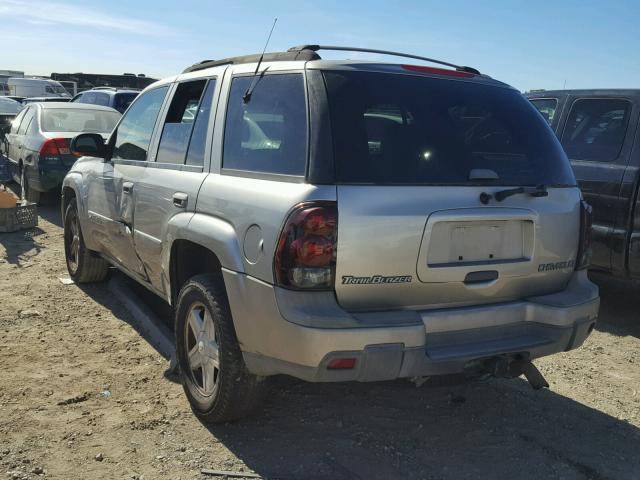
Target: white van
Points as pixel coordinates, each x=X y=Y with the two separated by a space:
x=36 y=87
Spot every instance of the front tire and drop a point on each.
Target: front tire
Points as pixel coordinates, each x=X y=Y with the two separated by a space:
x=214 y=376
x=27 y=193
x=83 y=265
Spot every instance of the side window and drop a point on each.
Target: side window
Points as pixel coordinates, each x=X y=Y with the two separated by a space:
x=595 y=129
x=195 y=154
x=546 y=107
x=78 y=98
x=269 y=133
x=179 y=122
x=133 y=135
x=101 y=99
x=26 y=121
x=15 y=124
x=89 y=97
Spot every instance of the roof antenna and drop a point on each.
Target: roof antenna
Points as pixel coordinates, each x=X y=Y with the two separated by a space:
x=247 y=95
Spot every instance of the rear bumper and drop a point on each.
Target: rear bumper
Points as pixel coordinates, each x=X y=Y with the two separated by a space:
x=294 y=333
x=46 y=177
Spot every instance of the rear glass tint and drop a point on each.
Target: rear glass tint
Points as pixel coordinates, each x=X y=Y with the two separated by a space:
x=406 y=129
x=123 y=100
x=81 y=120
x=596 y=129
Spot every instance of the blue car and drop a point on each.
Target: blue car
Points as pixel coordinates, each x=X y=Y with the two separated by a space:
x=117 y=98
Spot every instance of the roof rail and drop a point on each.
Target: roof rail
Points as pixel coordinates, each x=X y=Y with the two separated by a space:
x=115 y=89
x=268 y=57
x=315 y=48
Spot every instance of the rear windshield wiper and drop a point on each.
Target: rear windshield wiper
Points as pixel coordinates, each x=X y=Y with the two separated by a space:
x=537 y=191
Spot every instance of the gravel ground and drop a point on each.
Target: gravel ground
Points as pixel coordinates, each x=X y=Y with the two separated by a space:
x=83 y=395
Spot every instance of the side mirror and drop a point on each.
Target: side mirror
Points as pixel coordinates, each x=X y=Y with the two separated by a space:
x=88 y=144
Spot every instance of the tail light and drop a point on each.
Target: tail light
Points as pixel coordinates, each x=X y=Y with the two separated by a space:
x=54 y=147
x=584 y=248
x=306 y=253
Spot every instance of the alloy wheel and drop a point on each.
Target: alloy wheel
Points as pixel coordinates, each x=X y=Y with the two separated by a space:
x=202 y=349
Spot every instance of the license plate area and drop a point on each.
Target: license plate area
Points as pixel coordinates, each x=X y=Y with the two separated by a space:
x=461 y=241
x=479 y=242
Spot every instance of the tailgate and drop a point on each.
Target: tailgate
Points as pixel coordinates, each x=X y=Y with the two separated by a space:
x=430 y=247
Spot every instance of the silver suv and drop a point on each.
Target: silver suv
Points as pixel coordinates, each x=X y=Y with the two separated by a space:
x=337 y=221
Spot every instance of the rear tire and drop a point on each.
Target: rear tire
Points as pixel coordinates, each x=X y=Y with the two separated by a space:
x=83 y=265
x=214 y=376
x=27 y=193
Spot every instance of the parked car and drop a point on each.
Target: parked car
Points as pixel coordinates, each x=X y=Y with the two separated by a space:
x=597 y=129
x=336 y=221
x=16 y=98
x=8 y=110
x=44 y=99
x=36 y=87
x=118 y=98
x=38 y=142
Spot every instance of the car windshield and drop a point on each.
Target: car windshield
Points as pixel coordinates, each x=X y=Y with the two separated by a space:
x=80 y=120
x=409 y=129
x=9 y=106
x=55 y=89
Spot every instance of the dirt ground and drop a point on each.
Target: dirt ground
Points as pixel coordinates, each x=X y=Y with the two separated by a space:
x=83 y=395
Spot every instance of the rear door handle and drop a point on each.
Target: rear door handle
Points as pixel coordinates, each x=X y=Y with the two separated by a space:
x=180 y=199
x=127 y=187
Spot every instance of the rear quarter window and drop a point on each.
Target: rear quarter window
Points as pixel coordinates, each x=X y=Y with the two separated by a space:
x=269 y=133
x=409 y=129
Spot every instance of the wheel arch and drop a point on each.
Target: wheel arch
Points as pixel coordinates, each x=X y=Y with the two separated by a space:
x=198 y=244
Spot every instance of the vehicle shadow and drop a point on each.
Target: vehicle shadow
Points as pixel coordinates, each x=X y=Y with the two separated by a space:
x=154 y=328
x=50 y=212
x=446 y=429
x=499 y=429
x=19 y=247
x=619 y=305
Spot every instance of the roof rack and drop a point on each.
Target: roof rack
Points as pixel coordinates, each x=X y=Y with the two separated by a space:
x=315 y=48
x=115 y=89
x=308 y=52
x=268 y=57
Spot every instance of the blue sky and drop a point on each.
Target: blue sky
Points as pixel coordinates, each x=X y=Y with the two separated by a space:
x=543 y=44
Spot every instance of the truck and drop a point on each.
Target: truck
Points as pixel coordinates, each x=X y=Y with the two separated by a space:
x=597 y=129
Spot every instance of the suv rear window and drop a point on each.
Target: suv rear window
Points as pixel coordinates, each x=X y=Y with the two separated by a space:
x=123 y=100
x=407 y=129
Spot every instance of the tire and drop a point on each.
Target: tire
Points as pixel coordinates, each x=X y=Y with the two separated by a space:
x=83 y=265
x=218 y=392
x=28 y=194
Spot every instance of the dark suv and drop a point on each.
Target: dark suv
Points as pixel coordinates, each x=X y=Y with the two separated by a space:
x=118 y=98
x=597 y=130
